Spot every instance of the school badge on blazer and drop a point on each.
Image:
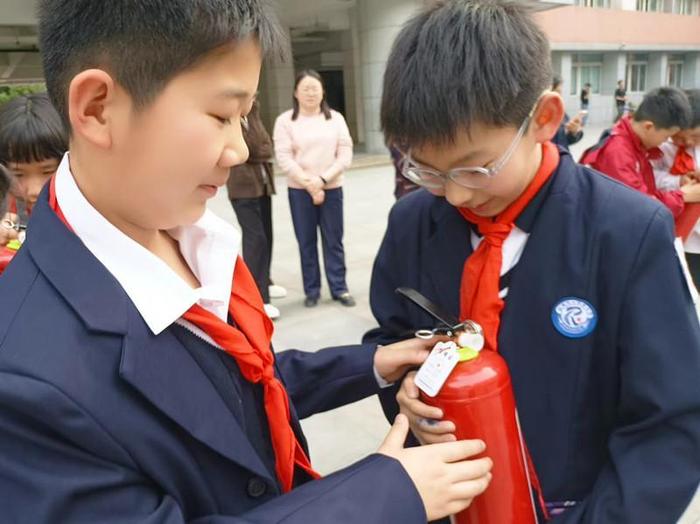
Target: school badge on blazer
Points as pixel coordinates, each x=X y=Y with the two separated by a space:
x=574 y=317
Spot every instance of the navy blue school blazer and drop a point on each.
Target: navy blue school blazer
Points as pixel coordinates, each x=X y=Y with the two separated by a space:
x=612 y=419
x=103 y=422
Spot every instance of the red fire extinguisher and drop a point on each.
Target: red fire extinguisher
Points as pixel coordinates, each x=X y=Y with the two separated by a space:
x=477 y=397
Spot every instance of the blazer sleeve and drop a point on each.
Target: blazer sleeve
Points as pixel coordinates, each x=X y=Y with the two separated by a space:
x=654 y=454
x=60 y=466
x=389 y=308
x=329 y=378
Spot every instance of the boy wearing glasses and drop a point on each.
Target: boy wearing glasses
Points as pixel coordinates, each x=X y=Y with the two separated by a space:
x=572 y=276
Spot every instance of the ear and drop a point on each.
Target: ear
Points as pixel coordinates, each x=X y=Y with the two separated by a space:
x=548 y=116
x=90 y=96
x=648 y=126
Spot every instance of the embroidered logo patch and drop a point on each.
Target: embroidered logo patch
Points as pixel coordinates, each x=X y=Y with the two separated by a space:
x=574 y=317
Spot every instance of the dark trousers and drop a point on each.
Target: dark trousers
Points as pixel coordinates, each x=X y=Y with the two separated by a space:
x=620 y=113
x=694 y=267
x=255 y=218
x=307 y=219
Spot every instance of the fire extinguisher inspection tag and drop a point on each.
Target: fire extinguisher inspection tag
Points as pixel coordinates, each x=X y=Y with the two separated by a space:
x=437 y=367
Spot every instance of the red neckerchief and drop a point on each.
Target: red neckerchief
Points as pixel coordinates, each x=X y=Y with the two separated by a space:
x=479 y=300
x=249 y=345
x=683 y=163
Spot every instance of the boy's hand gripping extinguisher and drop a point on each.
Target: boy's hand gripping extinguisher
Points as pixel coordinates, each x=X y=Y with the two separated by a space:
x=478 y=398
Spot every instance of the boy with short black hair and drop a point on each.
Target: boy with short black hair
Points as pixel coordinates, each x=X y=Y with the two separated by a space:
x=634 y=142
x=572 y=276
x=680 y=167
x=137 y=381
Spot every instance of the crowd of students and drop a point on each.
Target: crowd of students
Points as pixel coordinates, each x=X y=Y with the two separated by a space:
x=655 y=151
x=137 y=377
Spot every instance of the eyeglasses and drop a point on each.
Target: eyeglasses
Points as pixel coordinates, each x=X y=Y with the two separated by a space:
x=468 y=177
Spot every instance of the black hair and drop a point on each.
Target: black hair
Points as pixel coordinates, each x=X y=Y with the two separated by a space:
x=145 y=44
x=460 y=62
x=325 y=108
x=5 y=184
x=31 y=130
x=556 y=81
x=665 y=107
x=694 y=99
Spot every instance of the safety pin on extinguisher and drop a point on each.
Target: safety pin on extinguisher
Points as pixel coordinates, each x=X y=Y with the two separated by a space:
x=451 y=327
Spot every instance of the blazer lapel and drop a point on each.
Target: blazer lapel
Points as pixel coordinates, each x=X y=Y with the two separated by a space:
x=164 y=372
x=445 y=253
x=159 y=367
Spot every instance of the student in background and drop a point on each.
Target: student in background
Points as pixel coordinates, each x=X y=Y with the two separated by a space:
x=7 y=226
x=678 y=167
x=571 y=129
x=634 y=142
x=32 y=142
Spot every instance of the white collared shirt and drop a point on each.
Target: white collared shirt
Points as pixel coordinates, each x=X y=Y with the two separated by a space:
x=665 y=181
x=513 y=248
x=210 y=247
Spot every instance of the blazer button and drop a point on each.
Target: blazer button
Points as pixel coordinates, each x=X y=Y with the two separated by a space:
x=256 y=487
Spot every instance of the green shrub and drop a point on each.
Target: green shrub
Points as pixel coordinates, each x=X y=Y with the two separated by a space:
x=8 y=92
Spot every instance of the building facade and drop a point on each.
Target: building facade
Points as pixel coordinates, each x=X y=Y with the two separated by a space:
x=648 y=43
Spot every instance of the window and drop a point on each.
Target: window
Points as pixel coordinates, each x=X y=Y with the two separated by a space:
x=685 y=7
x=655 y=6
x=674 y=75
x=637 y=73
x=593 y=3
x=586 y=69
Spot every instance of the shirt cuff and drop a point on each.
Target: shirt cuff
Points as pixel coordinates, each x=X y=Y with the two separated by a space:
x=382 y=383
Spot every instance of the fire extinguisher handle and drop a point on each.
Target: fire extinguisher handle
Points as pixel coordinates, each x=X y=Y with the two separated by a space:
x=429 y=307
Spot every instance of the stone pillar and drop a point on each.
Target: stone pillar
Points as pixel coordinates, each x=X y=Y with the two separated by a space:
x=379 y=23
x=614 y=69
x=657 y=70
x=691 y=71
x=276 y=89
x=352 y=74
x=570 y=101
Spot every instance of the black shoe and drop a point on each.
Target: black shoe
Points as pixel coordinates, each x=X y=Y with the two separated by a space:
x=311 y=301
x=345 y=299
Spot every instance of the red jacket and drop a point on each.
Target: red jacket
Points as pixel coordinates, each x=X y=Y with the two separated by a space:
x=624 y=158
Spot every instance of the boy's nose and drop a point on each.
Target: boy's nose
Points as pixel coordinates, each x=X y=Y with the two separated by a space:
x=457 y=195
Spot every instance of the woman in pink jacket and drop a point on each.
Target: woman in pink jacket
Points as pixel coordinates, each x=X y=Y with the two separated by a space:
x=313 y=147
